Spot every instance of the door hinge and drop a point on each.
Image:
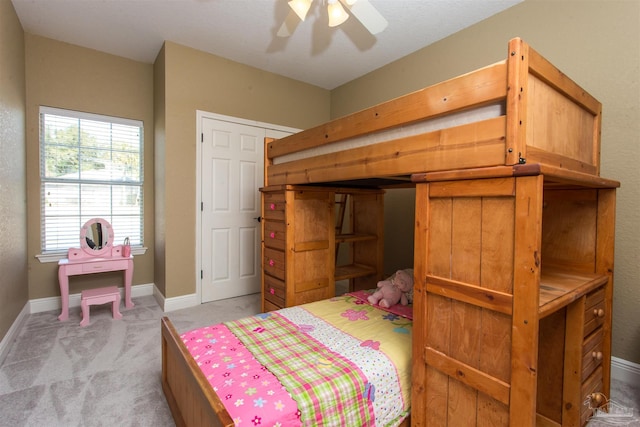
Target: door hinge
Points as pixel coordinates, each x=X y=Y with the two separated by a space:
x=201 y=206
x=201 y=275
x=202 y=137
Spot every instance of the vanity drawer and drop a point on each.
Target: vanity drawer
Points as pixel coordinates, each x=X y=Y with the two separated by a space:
x=274 y=206
x=274 y=290
x=592 y=353
x=274 y=234
x=99 y=266
x=594 y=313
x=273 y=263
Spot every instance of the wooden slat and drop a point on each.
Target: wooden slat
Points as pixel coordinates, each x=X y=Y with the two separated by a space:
x=604 y=264
x=553 y=175
x=419 y=368
x=558 y=175
x=466 y=374
x=344 y=272
x=479 y=87
x=539 y=156
x=466 y=242
x=561 y=132
x=479 y=144
x=477 y=188
x=517 y=97
x=267 y=161
x=496 y=275
x=524 y=346
x=463 y=174
x=312 y=245
x=190 y=396
x=439 y=317
x=476 y=295
x=551 y=354
x=545 y=70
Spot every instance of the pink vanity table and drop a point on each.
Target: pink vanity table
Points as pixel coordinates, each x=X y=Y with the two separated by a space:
x=96 y=255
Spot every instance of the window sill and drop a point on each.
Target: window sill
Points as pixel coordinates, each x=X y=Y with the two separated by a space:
x=57 y=256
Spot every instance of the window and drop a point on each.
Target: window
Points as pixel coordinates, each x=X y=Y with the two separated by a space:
x=90 y=166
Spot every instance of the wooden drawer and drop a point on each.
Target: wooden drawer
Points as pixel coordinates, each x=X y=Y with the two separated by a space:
x=270 y=307
x=594 y=312
x=592 y=385
x=274 y=290
x=275 y=234
x=592 y=353
x=273 y=263
x=274 y=206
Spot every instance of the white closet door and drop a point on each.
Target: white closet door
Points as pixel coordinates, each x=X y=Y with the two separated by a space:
x=232 y=171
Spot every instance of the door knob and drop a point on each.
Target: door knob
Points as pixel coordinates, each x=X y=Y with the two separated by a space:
x=258 y=218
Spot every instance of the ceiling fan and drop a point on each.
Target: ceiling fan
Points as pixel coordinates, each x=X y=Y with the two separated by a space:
x=363 y=11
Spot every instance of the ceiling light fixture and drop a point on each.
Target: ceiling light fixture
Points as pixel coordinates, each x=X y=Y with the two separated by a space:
x=337 y=14
x=300 y=7
x=362 y=10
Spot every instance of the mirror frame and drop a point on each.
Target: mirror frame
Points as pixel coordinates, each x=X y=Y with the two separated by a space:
x=83 y=237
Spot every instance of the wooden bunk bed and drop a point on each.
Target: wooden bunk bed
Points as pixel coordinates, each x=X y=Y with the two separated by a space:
x=513 y=250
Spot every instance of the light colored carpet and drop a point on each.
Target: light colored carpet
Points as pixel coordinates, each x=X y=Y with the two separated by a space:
x=108 y=373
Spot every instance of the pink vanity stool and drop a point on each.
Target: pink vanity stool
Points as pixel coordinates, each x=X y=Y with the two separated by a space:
x=96 y=254
x=97 y=297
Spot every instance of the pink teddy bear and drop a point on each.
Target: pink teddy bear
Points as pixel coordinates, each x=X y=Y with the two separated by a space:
x=395 y=289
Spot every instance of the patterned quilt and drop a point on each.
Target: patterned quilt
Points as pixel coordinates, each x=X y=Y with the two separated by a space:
x=337 y=362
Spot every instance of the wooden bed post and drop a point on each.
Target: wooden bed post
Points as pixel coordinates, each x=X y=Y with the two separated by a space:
x=517 y=93
x=526 y=279
x=268 y=161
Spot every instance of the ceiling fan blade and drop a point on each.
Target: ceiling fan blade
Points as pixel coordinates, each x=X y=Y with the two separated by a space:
x=367 y=15
x=289 y=25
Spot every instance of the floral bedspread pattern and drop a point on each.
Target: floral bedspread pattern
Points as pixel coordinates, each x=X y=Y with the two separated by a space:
x=334 y=362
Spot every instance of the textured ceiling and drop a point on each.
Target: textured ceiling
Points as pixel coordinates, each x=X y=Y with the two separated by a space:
x=245 y=31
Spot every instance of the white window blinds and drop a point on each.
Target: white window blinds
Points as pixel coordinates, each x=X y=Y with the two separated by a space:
x=90 y=166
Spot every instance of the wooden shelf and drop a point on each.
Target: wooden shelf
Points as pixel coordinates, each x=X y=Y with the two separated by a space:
x=344 y=272
x=560 y=288
x=349 y=238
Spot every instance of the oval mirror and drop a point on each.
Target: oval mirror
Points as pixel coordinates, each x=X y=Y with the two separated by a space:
x=96 y=236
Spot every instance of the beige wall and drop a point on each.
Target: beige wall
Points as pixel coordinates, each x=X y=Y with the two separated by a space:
x=13 y=208
x=597 y=44
x=594 y=42
x=67 y=76
x=195 y=80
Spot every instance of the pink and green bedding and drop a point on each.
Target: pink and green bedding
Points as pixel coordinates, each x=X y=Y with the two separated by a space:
x=339 y=361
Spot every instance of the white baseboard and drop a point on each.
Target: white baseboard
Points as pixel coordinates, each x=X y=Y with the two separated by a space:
x=625 y=371
x=53 y=303
x=13 y=332
x=177 y=303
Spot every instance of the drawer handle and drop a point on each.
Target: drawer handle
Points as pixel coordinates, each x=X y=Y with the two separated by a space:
x=597 y=398
x=272 y=206
x=272 y=291
x=272 y=235
x=272 y=262
x=598 y=312
x=597 y=355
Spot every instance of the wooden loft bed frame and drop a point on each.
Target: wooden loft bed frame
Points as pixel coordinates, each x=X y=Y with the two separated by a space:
x=543 y=148
x=549 y=119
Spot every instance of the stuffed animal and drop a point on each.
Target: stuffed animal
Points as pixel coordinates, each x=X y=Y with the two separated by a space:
x=398 y=288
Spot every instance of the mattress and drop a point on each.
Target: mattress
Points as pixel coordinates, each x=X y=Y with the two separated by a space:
x=339 y=361
x=430 y=125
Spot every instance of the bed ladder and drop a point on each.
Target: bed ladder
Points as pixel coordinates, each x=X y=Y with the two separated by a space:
x=341 y=204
